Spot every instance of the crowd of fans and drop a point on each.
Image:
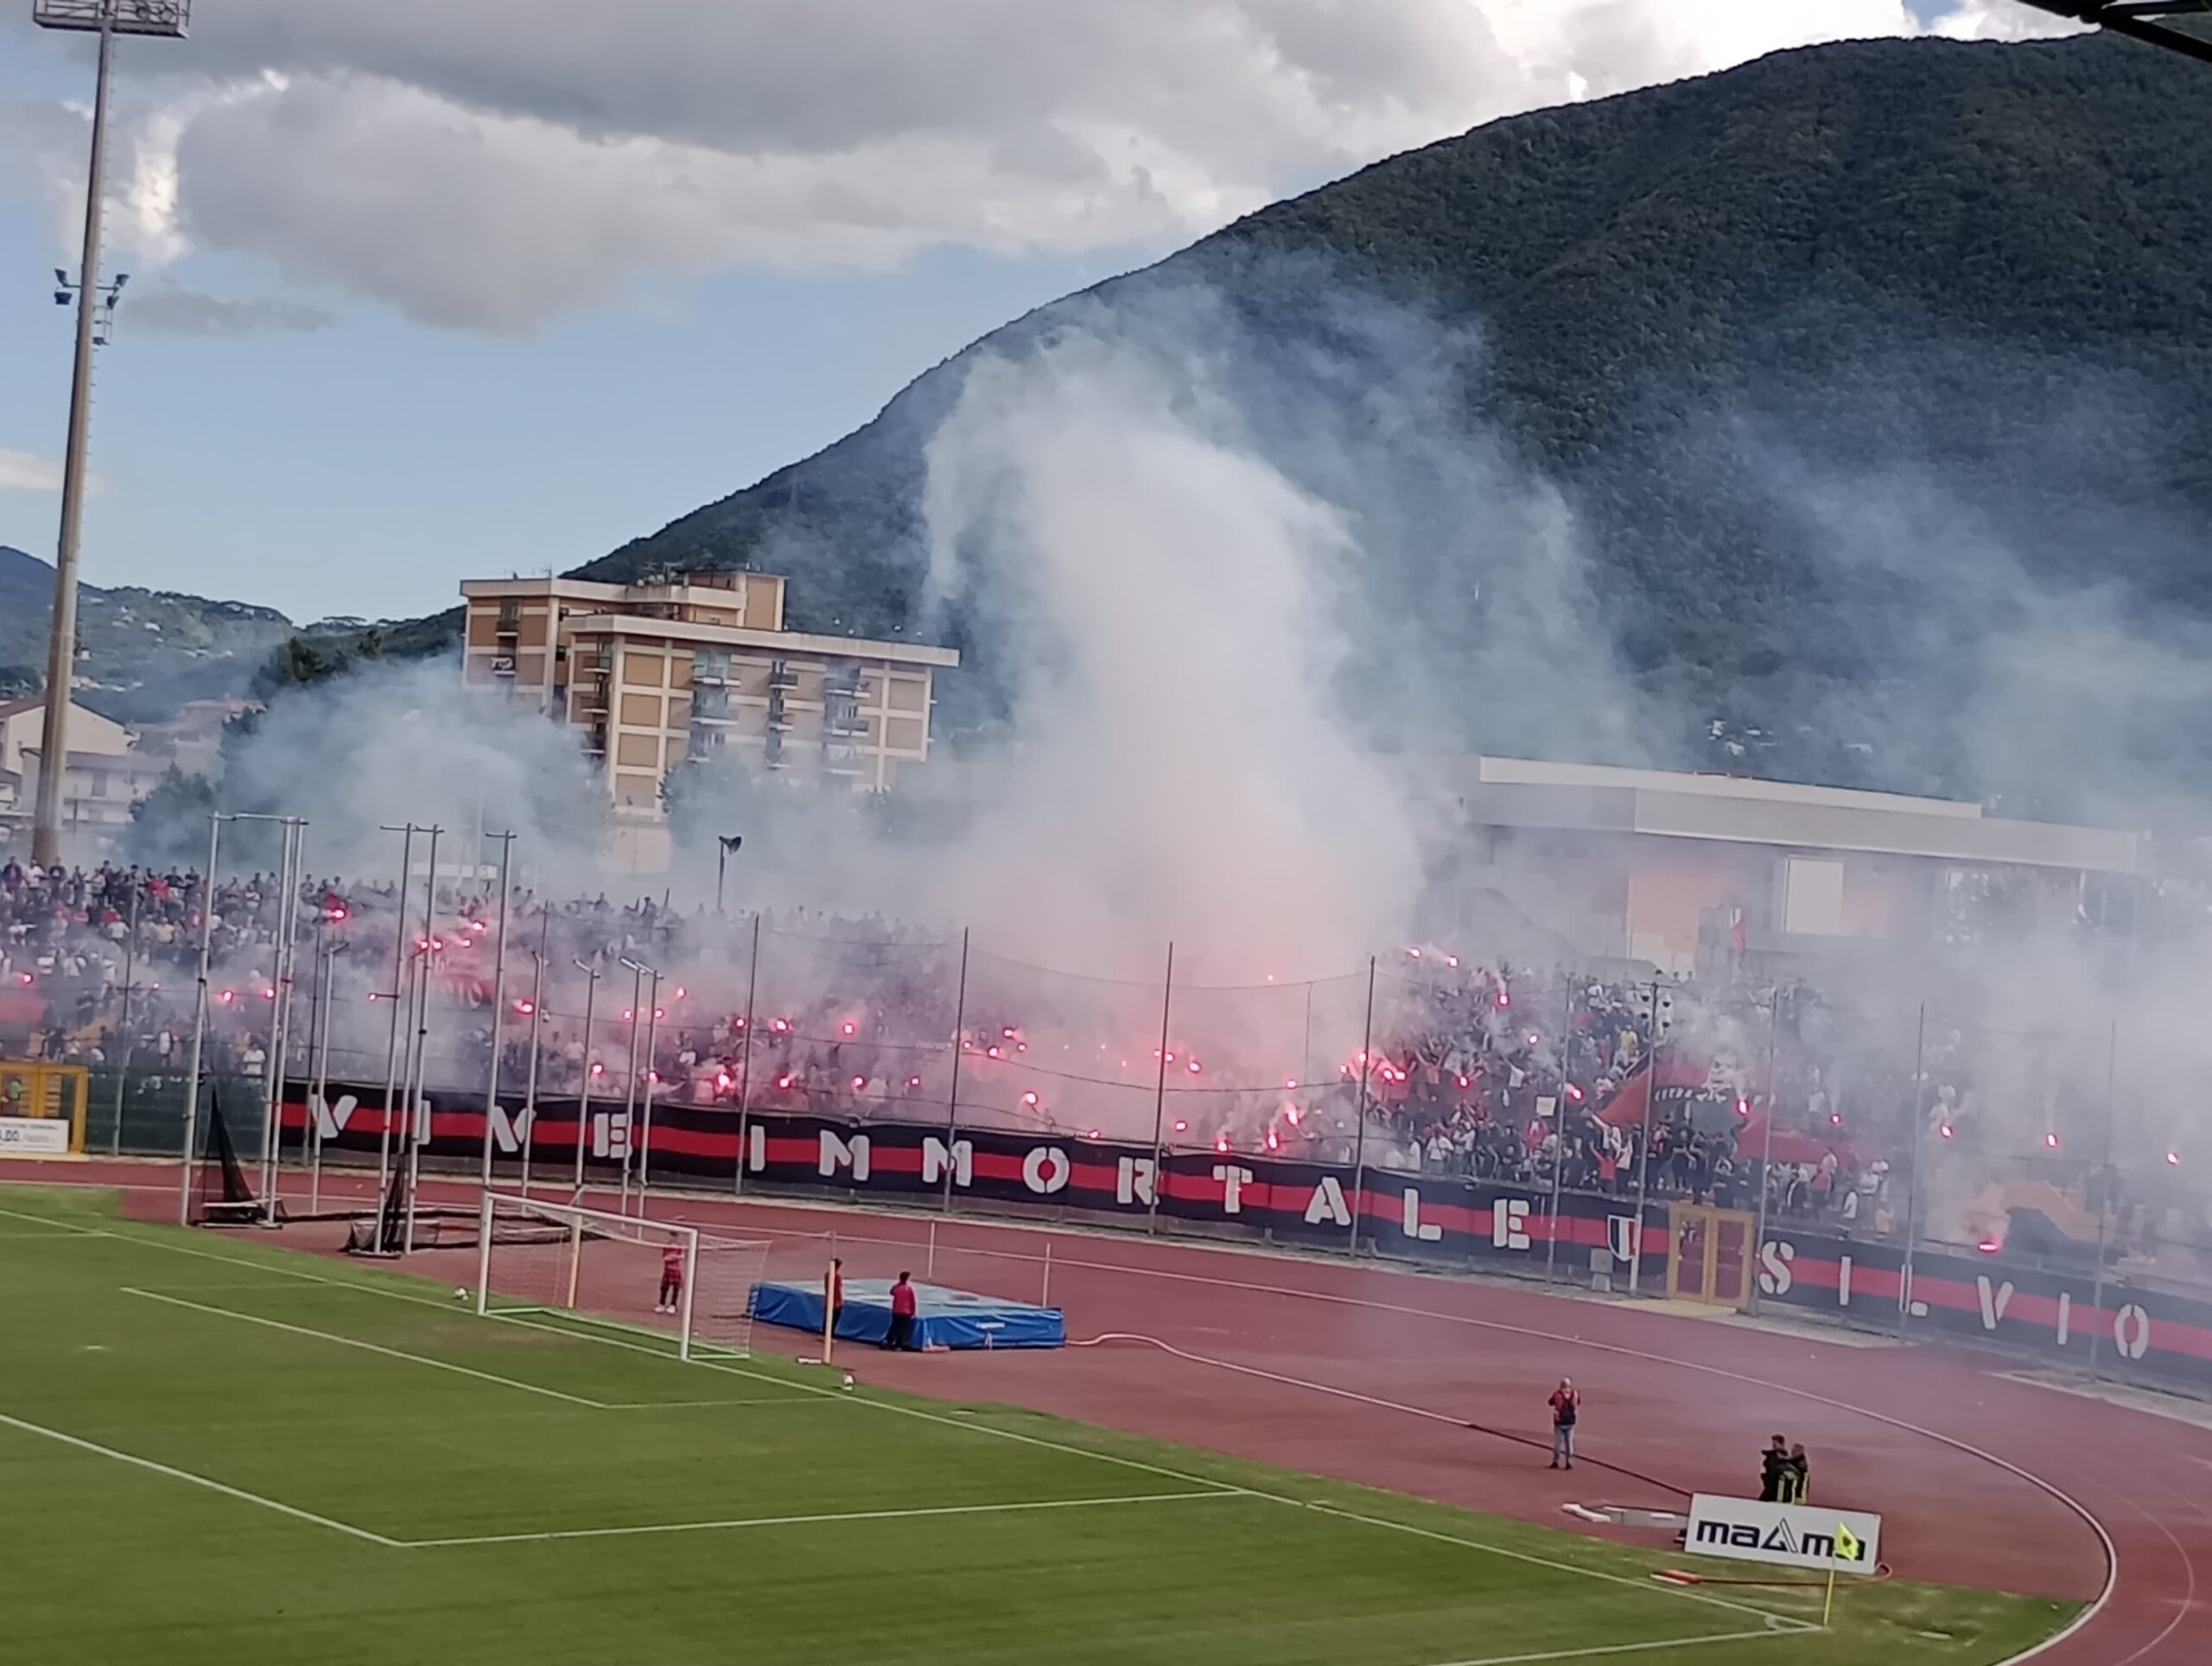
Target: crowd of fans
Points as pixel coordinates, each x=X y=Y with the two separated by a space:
x=1513 y=1074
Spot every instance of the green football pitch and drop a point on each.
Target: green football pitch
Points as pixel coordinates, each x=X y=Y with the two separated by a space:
x=215 y=1450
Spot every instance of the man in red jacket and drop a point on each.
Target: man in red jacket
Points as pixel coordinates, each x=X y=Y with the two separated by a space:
x=900 y=1336
x=1567 y=1407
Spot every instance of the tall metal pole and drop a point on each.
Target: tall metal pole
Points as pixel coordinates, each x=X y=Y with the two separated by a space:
x=2104 y=1201
x=745 y=1056
x=1359 y=1110
x=1644 y=1153
x=583 y=1100
x=1766 y=1141
x=1912 y=1180
x=61 y=644
x=537 y=1040
x=1160 y=1095
x=321 y=1088
x=123 y=1066
x=959 y=1043
x=199 y=1018
x=1559 y=1121
x=630 y=1089
x=280 y=1007
x=418 y=1115
x=399 y=966
x=645 y=1140
x=498 y=998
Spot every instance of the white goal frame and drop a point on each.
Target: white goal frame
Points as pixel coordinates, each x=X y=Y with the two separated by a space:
x=498 y=1207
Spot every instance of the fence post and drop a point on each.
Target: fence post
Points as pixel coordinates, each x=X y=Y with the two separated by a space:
x=1766 y=1143
x=1359 y=1110
x=1912 y=1180
x=745 y=1056
x=952 y=1095
x=1160 y=1096
x=2104 y=1203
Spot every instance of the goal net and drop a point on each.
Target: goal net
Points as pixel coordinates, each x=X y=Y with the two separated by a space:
x=534 y=1255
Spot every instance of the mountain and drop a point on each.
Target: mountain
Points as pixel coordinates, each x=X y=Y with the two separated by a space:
x=1979 y=276
x=143 y=652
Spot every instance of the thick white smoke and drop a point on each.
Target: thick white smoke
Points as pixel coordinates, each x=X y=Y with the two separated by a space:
x=1173 y=610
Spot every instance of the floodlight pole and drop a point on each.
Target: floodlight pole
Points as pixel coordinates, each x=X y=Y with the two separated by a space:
x=61 y=640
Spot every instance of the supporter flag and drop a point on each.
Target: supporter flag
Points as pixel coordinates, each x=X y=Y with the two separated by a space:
x=1737 y=938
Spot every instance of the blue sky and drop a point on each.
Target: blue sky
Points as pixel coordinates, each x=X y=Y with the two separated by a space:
x=524 y=283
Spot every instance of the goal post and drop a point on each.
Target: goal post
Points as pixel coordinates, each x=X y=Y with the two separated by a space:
x=537 y=1257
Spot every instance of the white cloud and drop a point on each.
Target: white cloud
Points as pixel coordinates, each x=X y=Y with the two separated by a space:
x=20 y=471
x=490 y=165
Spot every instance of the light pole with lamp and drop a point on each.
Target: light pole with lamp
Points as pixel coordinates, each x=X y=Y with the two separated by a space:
x=165 y=19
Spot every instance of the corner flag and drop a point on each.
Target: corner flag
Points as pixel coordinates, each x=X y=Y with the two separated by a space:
x=1846 y=1544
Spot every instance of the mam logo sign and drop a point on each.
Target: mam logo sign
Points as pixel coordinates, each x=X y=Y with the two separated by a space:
x=1788 y=1535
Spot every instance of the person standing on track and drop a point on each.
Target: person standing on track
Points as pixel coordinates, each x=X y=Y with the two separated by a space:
x=1774 y=1464
x=833 y=1293
x=899 y=1338
x=671 y=1277
x=1796 y=1478
x=1567 y=1408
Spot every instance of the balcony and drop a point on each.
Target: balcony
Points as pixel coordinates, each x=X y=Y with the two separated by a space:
x=713 y=706
x=781 y=677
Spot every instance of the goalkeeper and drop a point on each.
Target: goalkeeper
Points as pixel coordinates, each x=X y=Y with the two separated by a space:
x=671 y=1278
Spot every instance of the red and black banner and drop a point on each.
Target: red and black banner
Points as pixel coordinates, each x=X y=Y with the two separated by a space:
x=1435 y=1218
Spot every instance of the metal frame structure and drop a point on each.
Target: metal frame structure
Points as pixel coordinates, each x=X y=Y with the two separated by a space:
x=2158 y=22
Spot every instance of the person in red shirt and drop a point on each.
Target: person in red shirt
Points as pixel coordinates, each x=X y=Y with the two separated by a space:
x=1567 y=1407
x=899 y=1338
x=671 y=1278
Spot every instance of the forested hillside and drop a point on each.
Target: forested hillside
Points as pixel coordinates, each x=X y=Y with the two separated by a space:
x=1723 y=316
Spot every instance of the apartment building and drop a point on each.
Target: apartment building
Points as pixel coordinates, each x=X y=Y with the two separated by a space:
x=700 y=665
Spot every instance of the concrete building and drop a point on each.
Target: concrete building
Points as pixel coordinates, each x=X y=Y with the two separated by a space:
x=99 y=789
x=1687 y=871
x=21 y=720
x=700 y=665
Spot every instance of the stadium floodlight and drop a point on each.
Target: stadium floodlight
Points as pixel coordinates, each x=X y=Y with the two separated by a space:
x=106 y=19
x=2183 y=26
x=169 y=19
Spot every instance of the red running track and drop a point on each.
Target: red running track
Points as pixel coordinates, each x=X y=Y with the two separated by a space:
x=1371 y=1373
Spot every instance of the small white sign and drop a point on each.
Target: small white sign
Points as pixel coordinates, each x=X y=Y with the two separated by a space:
x=34 y=1136
x=1789 y=1535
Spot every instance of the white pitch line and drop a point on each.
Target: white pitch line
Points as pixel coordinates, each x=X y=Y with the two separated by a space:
x=701 y=1405
x=809 y=1521
x=1009 y=1434
x=1779 y=1621
x=368 y=1347
x=228 y=1491
x=1617 y=1649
